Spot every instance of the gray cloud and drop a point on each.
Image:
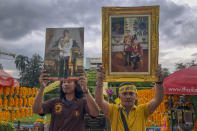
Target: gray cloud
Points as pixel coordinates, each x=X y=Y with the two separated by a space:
x=22 y=17
x=195 y=54
x=162 y=53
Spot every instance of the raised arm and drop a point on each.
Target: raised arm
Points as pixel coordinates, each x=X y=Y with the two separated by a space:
x=159 y=92
x=92 y=106
x=37 y=106
x=104 y=106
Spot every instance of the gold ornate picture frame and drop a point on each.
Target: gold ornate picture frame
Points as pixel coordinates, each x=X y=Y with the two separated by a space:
x=130 y=43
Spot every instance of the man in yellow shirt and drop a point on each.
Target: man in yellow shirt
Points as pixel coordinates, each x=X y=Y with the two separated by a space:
x=127 y=116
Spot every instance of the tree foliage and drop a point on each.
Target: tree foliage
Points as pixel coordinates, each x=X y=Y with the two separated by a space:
x=185 y=65
x=1 y=66
x=21 y=64
x=166 y=72
x=30 y=69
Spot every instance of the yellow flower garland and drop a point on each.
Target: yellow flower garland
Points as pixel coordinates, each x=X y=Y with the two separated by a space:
x=20 y=102
x=17 y=114
x=16 y=101
x=1 y=102
x=1 y=90
x=5 y=102
x=22 y=112
x=16 y=91
x=11 y=101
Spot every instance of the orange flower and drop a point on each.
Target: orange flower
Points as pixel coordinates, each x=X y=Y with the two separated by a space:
x=26 y=112
x=24 y=91
x=1 y=102
x=6 y=91
x=5 y=102
x=7 y=115
x=20 y=102
x=15 y=101
x=12 y=90
x=12 y=115
x=11 y=101
x=16 y=90
x=24 y=101
x=30 y=112
x=17 y=114
x=21 y=92
x=22 y=112
x=33 y=91
x=1 y=90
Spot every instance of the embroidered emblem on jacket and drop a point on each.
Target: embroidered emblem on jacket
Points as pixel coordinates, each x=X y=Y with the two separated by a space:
x=76 y=113
x=58 y=108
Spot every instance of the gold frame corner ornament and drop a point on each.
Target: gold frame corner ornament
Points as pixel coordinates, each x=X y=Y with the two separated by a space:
x=152 y=12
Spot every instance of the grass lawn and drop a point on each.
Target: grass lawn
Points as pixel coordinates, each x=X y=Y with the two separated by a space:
x=31 y=120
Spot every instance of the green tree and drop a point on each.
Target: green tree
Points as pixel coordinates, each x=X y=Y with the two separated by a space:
x=185 y=65
x=166 y=72
x=21 y=64
x=180 y=66
x=1 y=66
x=30 y=69
x=192 y=63
x=33 y=70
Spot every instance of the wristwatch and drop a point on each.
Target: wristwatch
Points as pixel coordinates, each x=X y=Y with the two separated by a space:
x=99 y=84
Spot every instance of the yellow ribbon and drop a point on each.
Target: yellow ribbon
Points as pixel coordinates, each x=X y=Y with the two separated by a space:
x=128 y=88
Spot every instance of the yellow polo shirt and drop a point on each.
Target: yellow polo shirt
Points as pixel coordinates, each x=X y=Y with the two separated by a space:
x=136 y=118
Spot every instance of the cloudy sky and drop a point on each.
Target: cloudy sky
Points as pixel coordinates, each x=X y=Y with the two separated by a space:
x=23 y=24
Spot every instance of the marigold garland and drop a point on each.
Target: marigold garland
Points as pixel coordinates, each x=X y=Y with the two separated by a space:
x=5 y=102
x=33 y=91
x=29 y=92
x=12 y=115
x=12 y=90
x=16 y=91
x=7 y=115
x=24 y=101
x=21 y=98
x=6 y=91
x=1 y=102
x=21 y=92
x=16 y=100
x=30 y=112
x=28 y=101
x=24 y=91
x=1 y=90
x=22 y=113
x=17 y=114
x=26 y=112
x=11 y=101
x=20 y=102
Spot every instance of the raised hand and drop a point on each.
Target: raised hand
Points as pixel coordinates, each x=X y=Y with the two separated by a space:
x=44 y=78
x=100 y=75
x=83 y=82
x=159 y=73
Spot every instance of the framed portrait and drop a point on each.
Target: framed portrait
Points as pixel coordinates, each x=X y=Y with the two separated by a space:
x=130 y=42
x=64 y=52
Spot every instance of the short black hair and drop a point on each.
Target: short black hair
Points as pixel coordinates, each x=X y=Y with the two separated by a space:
x=78 y=90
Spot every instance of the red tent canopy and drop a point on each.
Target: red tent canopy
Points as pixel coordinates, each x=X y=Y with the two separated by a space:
x=5 y=79
x=183 y=81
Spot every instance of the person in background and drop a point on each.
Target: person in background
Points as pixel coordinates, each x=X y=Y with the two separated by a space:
x=128 y=116
x=67 y=112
